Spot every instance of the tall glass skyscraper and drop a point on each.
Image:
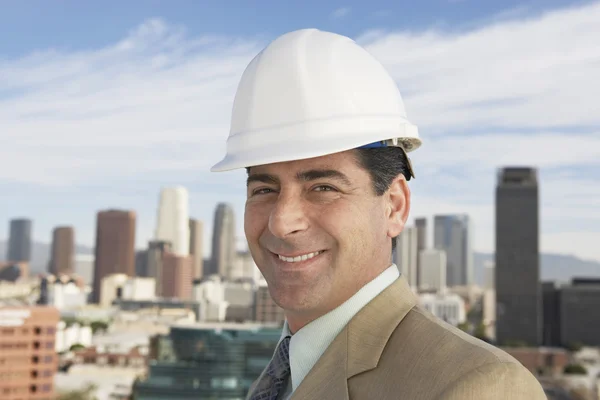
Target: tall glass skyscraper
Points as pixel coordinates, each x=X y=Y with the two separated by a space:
x=19 y=240
x=517 y=276
x=173 y=219
x=223 y=241
x=452 y=233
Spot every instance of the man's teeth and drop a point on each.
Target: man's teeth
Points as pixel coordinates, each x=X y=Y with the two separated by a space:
x=300 y=258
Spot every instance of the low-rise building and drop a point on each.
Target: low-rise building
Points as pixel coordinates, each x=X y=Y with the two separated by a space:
x=27 y=358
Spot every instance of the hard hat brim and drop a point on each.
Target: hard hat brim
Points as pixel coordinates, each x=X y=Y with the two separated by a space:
x=313 y=141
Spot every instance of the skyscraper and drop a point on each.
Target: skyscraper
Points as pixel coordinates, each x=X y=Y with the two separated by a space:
x=155 y=266
x=433 y=270
x=172 y=221
x=115 y=246
x=223 y=245
x=63 y=251
x=196 y=251
x=19 y=240
x=177 y=277
x=452 y=234
x=421 y=226
x=518 y=290
x=407 y=254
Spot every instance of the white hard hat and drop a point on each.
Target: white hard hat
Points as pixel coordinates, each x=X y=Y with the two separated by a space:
x=311 y=93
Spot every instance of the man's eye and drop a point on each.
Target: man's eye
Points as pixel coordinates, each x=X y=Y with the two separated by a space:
x=324 y=188
x=262 y=191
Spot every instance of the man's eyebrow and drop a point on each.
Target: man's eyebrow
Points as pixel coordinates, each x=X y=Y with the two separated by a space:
x=315 y=174
x=264 y=178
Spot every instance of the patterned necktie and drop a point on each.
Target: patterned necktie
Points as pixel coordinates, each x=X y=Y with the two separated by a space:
x=276 y=373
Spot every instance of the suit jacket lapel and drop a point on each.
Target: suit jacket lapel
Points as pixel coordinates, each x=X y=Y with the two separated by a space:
x=371 y=328
x=328 y=378
x=359 y=345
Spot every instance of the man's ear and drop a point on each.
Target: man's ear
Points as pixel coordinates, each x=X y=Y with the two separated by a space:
x=398 y=197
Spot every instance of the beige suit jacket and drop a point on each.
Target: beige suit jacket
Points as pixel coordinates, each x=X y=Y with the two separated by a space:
x=394 y=349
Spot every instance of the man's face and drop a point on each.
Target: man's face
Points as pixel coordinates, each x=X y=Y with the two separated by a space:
x=317 y=230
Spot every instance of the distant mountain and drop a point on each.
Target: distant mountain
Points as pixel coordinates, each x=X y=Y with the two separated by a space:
x=554 y=267
x=557 y=267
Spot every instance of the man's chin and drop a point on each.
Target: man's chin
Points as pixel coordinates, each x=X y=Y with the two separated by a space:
x=295 y=300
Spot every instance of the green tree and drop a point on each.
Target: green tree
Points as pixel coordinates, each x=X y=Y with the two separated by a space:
x=515 y=343
x=575 y=369
x=480 y=333
x=574 y=347
x=77 y=346
x=464 y=326
x=98 y=326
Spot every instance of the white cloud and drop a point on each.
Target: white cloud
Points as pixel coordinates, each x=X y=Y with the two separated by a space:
x=155 y=107
x=531 y=73
x=341 y=12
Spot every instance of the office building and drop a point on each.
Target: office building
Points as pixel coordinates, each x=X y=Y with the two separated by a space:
x=115 y=246
x=223 y=246
x=173 y=220
x=452 y=234
x=62 y=258
x=489 y=275
x=448 y=307
x=28 y=361
x=120 y=287
x=141 y=263
x=208 y=361
x=84 y=267
x=196 y=247
x=177 y=281
x=517 y=271
x=406 y=255
x=19 y=240
x=155 y=262
x=433 y=270
x=551 y=314
x=579 y=318
x=421 y=226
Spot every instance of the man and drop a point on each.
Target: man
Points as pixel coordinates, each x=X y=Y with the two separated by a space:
x=321 y=129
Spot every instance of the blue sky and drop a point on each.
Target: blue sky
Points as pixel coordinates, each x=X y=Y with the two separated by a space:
x=104 y=103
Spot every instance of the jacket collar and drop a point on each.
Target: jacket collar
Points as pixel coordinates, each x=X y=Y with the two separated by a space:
x=358 y=347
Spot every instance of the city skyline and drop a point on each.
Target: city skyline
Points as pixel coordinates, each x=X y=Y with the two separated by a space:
x=106 y=117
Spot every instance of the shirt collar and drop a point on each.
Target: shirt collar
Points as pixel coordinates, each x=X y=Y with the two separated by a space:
x=309 y=343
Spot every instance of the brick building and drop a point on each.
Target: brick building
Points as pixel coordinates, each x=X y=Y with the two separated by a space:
x=28 y=360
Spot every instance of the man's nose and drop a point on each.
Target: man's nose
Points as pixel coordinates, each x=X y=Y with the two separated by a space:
x=288 y=216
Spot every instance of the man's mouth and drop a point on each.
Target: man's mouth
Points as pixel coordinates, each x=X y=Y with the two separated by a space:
x=299 y=258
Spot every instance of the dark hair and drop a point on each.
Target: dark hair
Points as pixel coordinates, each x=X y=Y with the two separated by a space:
x=384 y=165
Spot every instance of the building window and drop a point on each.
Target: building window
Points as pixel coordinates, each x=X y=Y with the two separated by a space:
x=37 y=330
x=33 y=388
x=51 y=330
x=46 y=388
x=49 y=345
x=48 y=359
x=34 y=374
x=35 y=359
x=36 y=345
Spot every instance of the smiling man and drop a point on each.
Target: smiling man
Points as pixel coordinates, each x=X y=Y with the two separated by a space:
x=321 y=129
